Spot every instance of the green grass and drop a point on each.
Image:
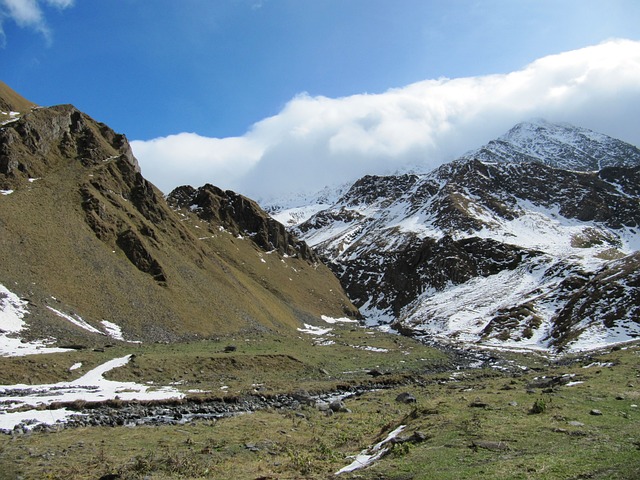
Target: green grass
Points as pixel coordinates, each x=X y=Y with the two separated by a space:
x=510 y=440
x=280 y=364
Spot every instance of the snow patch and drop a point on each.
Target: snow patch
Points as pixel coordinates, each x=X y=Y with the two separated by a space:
x=332 y=320
x=370 y=349
x=313 y=330
x=370 y=455
x=12 y=313
x=91 y=387
x=115 y=332
x=76 y=320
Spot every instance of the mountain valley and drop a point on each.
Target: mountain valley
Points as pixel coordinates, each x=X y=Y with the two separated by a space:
x=475 y=321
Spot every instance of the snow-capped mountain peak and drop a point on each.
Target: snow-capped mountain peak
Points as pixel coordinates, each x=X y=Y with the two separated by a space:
x=559 y=145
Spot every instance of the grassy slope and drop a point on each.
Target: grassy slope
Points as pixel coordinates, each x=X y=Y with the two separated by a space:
x=217 y=283
x=308 y=444
x=11 y=101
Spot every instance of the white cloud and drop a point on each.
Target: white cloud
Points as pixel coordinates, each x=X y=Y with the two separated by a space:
x=29 y=13
x=315 y=141
x=188 y=158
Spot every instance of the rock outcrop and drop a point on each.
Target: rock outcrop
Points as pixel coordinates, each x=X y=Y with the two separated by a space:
x=240 y=216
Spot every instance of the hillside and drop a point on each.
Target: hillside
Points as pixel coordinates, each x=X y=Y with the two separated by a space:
x=12 y=104
x=504 y=250
x=88 y=240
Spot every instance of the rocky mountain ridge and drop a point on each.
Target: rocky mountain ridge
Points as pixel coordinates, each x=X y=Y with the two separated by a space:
x=88 y=240
x=492 y=250
x=559 y=145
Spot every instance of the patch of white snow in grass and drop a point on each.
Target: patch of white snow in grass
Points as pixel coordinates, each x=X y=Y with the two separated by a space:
x=332 y=320
x=76 y=320
x=370 y=349
x=12 y=312
x=6 y=192
x=75 y=366
x=313 y=330
x=370 y=455
x=91 y=387
x=599 y=364
x=115 y=332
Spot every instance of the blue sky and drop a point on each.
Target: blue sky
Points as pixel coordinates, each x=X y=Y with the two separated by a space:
x=220 y=90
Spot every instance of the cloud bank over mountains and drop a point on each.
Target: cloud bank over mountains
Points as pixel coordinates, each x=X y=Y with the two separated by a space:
x=316 y=141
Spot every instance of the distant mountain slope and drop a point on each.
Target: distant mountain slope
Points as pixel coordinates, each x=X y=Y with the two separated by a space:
x=557 y=145
x=490 y=251
x=87 y=239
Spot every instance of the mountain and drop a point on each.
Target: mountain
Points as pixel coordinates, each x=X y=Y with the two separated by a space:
x=558 y=145
x=503 y=249
x=91 y=247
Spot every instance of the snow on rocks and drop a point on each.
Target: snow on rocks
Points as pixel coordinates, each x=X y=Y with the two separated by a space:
x=481 y=242
x=91 y=387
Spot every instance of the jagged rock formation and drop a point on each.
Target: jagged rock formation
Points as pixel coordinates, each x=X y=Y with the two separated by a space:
x=503 y=248
x=240 y=216
x=91 y=240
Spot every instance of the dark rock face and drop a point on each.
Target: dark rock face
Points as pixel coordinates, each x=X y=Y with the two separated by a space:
x=133 y=247
x=396 y=279
x=47 y=137
x=610 y=298
x=240 y=216
x=585 y=196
